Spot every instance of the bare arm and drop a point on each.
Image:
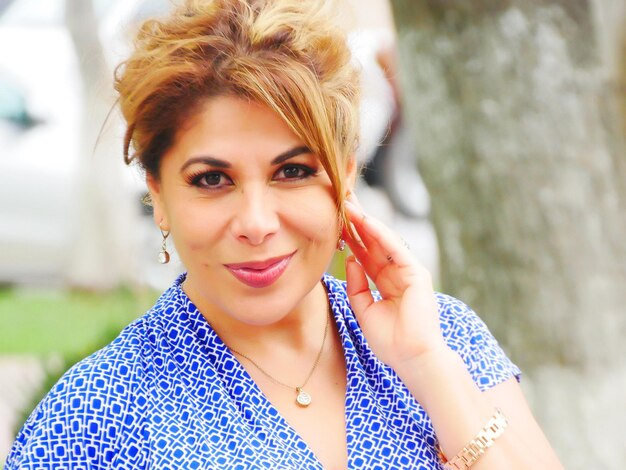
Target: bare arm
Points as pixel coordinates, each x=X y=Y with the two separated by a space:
x=403 y=331
x=458 y=409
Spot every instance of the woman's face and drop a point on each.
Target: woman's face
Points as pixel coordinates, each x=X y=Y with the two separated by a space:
x=251 y=211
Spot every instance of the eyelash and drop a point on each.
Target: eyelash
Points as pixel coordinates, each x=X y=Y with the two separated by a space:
x=199 y=179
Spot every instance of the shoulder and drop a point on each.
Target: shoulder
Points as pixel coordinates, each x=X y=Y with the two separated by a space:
x=462 y=329
x=468 y=335
x=458 y=321
x=81 y=418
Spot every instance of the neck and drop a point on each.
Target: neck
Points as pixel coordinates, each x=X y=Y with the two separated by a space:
x=299 y=330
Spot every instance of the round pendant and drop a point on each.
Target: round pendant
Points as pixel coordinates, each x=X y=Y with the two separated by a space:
x=164 y=257
x=303 y=398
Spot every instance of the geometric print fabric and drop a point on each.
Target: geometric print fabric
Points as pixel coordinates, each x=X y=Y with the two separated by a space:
x=168 y=394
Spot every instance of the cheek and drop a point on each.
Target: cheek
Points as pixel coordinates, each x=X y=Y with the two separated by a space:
x=315 y=216
x=196 y=226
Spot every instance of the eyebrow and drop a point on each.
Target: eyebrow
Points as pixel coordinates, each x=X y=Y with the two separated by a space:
x=216 y=162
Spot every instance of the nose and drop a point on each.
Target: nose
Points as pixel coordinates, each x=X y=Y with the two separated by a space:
x=256 y=218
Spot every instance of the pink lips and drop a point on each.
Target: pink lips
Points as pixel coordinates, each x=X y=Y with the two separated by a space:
x=260 y=273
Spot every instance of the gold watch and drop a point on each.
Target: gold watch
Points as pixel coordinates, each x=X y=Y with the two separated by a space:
x=477 y=446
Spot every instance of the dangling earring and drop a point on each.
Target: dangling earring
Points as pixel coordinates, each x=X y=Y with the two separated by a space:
x=341 y=244
x=164 y=256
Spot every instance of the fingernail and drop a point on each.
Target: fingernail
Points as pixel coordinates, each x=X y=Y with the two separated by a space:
x=351 y=205
x=351 y=260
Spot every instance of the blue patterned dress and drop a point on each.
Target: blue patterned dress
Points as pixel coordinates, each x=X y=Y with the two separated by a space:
x=168 y=394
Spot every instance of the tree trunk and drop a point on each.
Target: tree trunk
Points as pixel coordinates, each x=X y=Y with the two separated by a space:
x=518 y=109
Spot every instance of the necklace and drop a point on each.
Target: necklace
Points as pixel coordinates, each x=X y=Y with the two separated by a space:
x=302 y=398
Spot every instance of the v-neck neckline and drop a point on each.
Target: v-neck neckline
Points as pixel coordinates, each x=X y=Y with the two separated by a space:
x=272 y=419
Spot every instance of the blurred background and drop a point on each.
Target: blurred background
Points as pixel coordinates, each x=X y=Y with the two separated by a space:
x=492 y=140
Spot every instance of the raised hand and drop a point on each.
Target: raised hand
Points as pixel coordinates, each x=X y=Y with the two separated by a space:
x=404 y=325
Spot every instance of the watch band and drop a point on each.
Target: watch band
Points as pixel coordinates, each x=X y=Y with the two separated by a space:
x=479 y=445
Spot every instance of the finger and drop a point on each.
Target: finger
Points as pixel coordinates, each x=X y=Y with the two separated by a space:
x=352 y=234
x=372 y=258
x=357 y=287
x=379 y=241
x=366 y=259
x=355 y=243
x=358 y=219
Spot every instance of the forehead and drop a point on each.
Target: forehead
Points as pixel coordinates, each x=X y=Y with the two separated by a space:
x=226 y=125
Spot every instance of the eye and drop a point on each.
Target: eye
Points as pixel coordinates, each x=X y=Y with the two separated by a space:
x=294 y=172
x=210 y=180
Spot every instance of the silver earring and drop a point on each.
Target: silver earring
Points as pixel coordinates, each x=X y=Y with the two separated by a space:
x=164 y=256
x=341 y=244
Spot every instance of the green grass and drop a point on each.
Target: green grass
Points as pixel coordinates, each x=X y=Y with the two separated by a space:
x=338 y=264
x=65 y=322
x=72 y=323
x=68 y=324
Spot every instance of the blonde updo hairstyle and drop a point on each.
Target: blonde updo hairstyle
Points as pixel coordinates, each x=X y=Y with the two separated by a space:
x=285 y=54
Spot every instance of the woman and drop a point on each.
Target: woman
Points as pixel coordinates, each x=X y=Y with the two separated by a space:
x=243 y=115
